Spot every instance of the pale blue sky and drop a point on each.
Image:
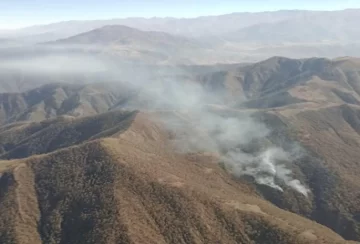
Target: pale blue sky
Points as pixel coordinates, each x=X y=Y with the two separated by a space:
x=20 y=13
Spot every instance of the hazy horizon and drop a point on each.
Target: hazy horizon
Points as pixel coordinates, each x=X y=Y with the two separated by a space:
x=23 y=13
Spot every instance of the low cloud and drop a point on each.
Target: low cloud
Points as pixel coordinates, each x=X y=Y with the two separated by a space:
x=55 y=64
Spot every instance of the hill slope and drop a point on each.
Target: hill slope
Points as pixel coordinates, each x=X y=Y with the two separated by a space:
x=133 y=188
x=281 y=81
x=52 y=100
x=330 y=134
x=310 y=103
x=314 y=102
x=22 y=140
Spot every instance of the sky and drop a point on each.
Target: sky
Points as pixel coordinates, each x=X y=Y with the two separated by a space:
x=21 y=13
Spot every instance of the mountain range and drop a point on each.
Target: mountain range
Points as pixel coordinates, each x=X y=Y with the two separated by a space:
x=317 y=102
x=63 y=144
x=230 y=38
x=239 y=128
x=130 y=187
x=343 y=21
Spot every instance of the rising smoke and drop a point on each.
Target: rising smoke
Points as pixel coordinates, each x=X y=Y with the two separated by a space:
x=240 y=140
x=204 y=122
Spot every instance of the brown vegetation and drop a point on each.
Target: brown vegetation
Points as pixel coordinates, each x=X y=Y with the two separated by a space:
x=113 y=176
x=57 y=99
x=314 y=102
x=133 y=188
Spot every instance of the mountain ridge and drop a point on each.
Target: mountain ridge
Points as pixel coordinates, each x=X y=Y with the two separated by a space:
x=156 y=194
x=166 y=144
x=120 y=33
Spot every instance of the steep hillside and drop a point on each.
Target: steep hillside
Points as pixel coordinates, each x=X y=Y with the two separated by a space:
x=314 y=102
x=52 y=100
x=331 y=135
x=325 y=141
x=187 y=157
x=22 y=140
x=282 y=81
x=133 y=188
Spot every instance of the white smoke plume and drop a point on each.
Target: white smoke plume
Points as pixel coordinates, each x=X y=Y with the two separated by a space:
x=205 y=129
x=206 y=124
x=266 y=167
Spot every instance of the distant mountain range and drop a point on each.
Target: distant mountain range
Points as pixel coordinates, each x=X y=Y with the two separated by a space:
x=230 y=38
x=293 y=25
x=118 y=34
x=134 y=44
